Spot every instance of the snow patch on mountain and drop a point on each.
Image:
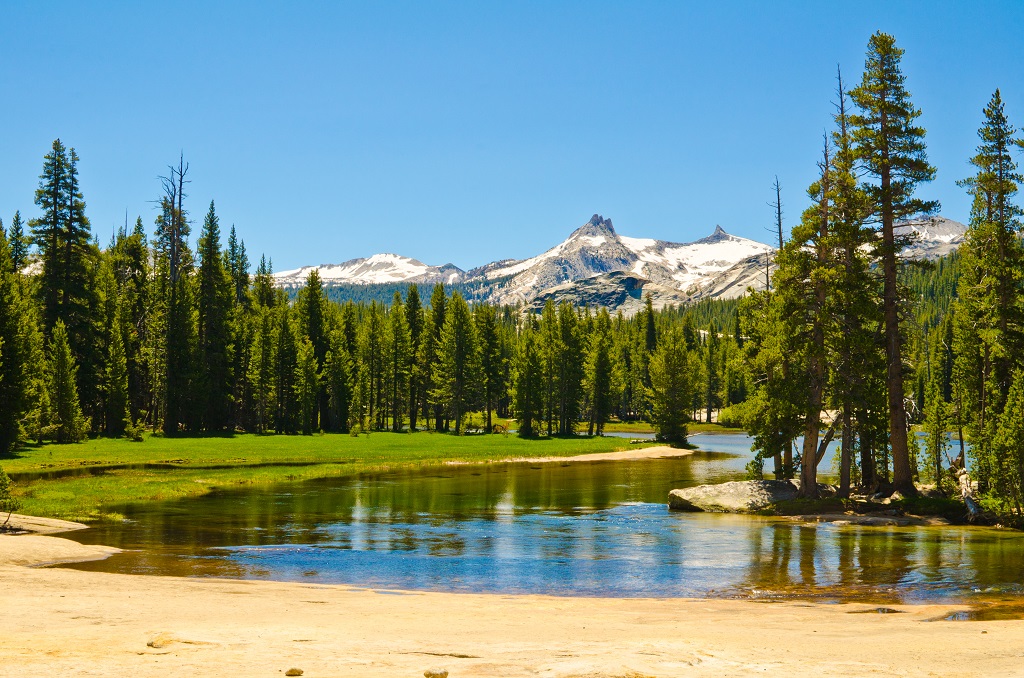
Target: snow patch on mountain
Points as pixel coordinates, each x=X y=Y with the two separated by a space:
x=377 y=269
x=932 y=237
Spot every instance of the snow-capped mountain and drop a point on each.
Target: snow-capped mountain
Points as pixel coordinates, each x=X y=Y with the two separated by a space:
x=380 y=268
x=933 y=237
x=595 y=266
x=595 y=249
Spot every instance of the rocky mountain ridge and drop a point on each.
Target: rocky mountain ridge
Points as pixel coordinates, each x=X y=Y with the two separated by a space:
x=595 y=266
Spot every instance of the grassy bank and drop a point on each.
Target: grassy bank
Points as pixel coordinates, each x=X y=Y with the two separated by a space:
x=168 y=468
x=644 y=427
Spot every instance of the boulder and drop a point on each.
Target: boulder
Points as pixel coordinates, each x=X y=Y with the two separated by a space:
x=734 y=497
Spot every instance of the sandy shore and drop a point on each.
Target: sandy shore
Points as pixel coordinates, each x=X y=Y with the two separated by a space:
x=60 y=622
x=655 y=452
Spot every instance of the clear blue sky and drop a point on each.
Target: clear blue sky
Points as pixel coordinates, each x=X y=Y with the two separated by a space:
x=471 y=131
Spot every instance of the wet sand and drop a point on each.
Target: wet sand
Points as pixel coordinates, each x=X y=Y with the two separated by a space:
x=62 y=622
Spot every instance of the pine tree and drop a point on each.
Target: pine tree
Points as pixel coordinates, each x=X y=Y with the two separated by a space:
x=216 y=340
x=414 y=319
x=492 y=361
x=438 y=307
x=129 y=259
x=670 y=389
x=66 y=419
x=68 y=289
x=238 y=268
x=312 y=309
x=49 y=230
x=803 y=278
x=528 y=382
x=1009 y=446
x=773 y=416
x=397 y=349
x=426 y=357
x=306 y=387
x=852 y=307
x=286 y=353
x=937 y=412
x=550 y=347
x=117 y=415
x=261 y=371
x=338 y=380
x=650 y=329
x=990 y=310
x=890 y=147
x=598 y=373
x=19 y=243
x=371 y=387
x=177 y=376
x=15 y=352
x=712 y=377
x=263 y=286
x=457 y=374
x=570 y=369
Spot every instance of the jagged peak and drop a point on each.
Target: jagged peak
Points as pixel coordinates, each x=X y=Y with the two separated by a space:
x=597 y=225
x=718 y=236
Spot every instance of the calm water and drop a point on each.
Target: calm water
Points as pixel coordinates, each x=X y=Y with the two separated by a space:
x=593 y=528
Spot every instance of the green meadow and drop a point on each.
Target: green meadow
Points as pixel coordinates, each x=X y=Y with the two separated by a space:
x=87 y=481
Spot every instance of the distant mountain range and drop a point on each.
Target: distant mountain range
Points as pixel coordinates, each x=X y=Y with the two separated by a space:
x=595 y=266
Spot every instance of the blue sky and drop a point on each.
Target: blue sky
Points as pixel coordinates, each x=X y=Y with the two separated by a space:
x=470 y=131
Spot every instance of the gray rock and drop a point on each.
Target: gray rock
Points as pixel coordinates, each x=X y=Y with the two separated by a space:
x=616 y=291
x=734 y=497
x=293 y=672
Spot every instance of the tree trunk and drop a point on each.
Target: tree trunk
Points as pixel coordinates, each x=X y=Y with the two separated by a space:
x=867 y=461
x=903 y=479
x=846 y=457
x=974 y=510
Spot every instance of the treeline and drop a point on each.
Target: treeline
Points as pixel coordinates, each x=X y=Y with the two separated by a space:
x=153 y=334
x=850 y=342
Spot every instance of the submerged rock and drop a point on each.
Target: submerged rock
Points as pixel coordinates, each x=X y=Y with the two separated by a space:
x=734 y=497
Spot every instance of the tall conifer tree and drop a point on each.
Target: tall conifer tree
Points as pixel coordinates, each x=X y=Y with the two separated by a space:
x=890 y=147
x=990 y=310
x=414 y=320
x=457 y=374
x=528 y=381
x=66 y=419
x=216 y=341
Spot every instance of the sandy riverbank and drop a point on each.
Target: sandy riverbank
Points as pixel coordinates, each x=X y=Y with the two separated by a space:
x=654 y=452
x=69 y=623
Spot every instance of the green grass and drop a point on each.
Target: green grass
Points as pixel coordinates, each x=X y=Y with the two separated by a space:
x=202 y=464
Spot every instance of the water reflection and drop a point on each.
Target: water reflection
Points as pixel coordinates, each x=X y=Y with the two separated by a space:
x=598 y=528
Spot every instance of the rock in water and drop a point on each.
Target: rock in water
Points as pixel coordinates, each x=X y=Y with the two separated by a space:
x=293 y=672
x=435 y=673
x=734 y=497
